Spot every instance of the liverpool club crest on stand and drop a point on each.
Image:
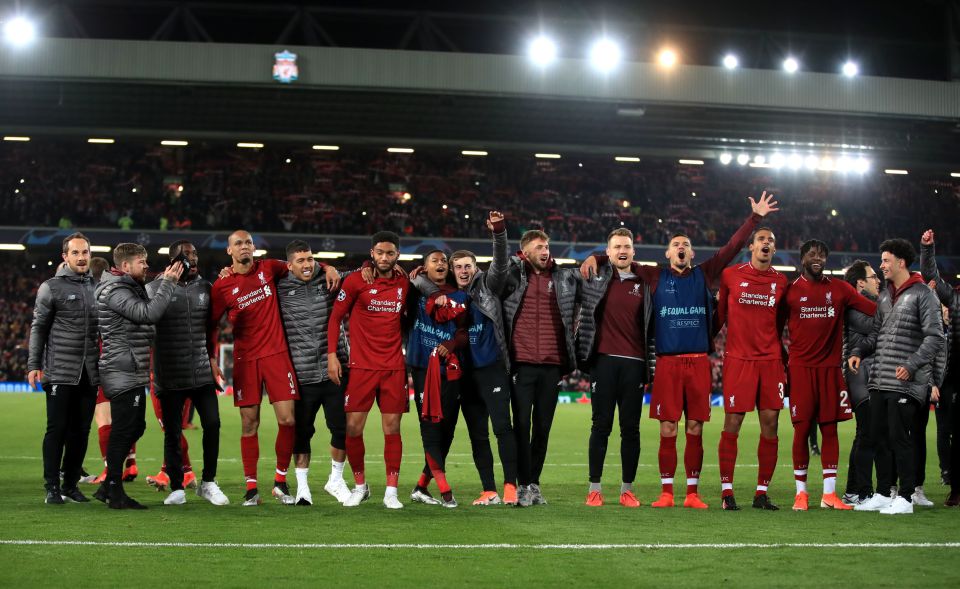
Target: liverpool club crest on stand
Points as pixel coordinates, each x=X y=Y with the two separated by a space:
x=285 y=68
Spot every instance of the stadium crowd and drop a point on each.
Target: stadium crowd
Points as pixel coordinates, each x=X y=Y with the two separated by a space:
x=358 y=191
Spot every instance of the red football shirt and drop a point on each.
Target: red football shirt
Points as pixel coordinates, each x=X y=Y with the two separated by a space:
x=250 y=301
x=376 y=313
x=750 y=301
x=816 y=310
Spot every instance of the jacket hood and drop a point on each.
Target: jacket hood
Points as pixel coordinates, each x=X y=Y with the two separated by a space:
x=915 y=278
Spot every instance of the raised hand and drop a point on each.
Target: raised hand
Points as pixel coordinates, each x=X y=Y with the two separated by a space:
x=495 y=217
x=765 y=206
x=173 y=271
x=927 y=238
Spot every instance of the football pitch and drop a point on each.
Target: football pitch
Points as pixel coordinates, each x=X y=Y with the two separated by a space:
x=560 y=543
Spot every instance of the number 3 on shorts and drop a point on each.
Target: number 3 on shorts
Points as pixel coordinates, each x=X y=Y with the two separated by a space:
x=780 y=386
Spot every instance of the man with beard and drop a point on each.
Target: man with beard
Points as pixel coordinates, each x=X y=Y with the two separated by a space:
x=750 y=302
x=906 y=337
x=63 y=358
x=261 y=360
x=306 y=304
x=539 y=302
x=183 y=371
x=376 y=364
x=863 y=454
x=816 y=306
x=126 y=318
x=680 y=302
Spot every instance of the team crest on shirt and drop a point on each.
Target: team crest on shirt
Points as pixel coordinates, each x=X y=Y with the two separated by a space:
x=260 y=276
x=550 y=286
x=829 y=298
x=400 y=293
x=773 y=288
x=636 y=290
x=201 y=298
x=733 y=400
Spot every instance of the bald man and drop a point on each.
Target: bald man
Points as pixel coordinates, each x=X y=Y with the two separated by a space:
x=261 y=363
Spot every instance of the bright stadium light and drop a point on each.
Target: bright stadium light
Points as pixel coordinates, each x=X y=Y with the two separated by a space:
x=691 y=162
x=844 y=164
x=955 y=174
x=250 y=145
x=759 y=160
x=19 y=32
x=743 y=159
x=399 y=150
x=791 y=65
x=547 y=156
x=667 y=58
x=795 y=161
x=850 y=69
x=777 y=160
x=862 y=165
x=15 y=138
x=101 y=249
x=103 y=140
x=327 y=147
x=542 y=51
x=626 y=158
x=605 y=55
x=174 y=143
x=811 y=162
x=896 y=172
x=726 y=158
x=473 y=152
x=730 y=61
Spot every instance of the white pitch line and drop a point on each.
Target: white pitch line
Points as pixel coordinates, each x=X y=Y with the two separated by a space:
x=407 y=457
x=502 y=546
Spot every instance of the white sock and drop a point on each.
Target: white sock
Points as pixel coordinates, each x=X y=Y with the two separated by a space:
x=594 y=487
x=801 y=485
x=336 y=468
x=829 y=481
x=624 y=487
x=302 y=476
x=390 y=492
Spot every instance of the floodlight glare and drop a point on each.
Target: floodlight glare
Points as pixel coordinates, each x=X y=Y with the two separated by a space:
x=542 y=51
x=605 y=55
x=19 y=31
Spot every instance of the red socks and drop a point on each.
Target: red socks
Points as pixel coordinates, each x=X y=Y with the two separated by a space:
x=424 y=480
x=767 y=458
x=355 y=454
x=250 y=455
x=439 y=475
x=392 y=456
x=667 y=456
x=693 y=461
x=103 y=432
x=728 y=460
x=284 y=450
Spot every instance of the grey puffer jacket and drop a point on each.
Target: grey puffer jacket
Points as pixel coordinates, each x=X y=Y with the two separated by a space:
x=127 y=317
x=306 y=308
x=63 y=335
x=567 y=291
x=856 y=328
x=950 y=297
x=906 y=332
x=180 y=358
x=593 y=292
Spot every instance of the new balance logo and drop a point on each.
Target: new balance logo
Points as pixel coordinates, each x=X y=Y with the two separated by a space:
x=803 y=299
x=744 y=284
x=902 y=401
x=235 y=290
x=496 y=389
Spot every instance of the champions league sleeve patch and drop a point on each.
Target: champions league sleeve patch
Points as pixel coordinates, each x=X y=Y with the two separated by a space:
x=342 y=296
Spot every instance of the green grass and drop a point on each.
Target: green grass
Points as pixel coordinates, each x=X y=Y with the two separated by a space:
x=23 y=516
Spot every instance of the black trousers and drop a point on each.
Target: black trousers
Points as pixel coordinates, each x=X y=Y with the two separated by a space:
x=324 y=394
x=919 y=434
x=535 y=391
x=893 y=419
x=944 y=414
x=954 y=465
x=867 y=454
x=171 y=403
x=69 y=413
x=127 y=412
x=616 y=384
x=485 y=398
x=437 y=437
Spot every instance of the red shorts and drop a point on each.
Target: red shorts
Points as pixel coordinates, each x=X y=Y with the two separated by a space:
x=752 y=384
x=101 y=398
x=388 y=387
x=681 y=384
x=818 y=394
x=271 y=373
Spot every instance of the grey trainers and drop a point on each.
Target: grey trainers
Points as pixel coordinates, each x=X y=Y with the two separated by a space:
x=536 y=497
x=851 y=499
x=524 y=498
